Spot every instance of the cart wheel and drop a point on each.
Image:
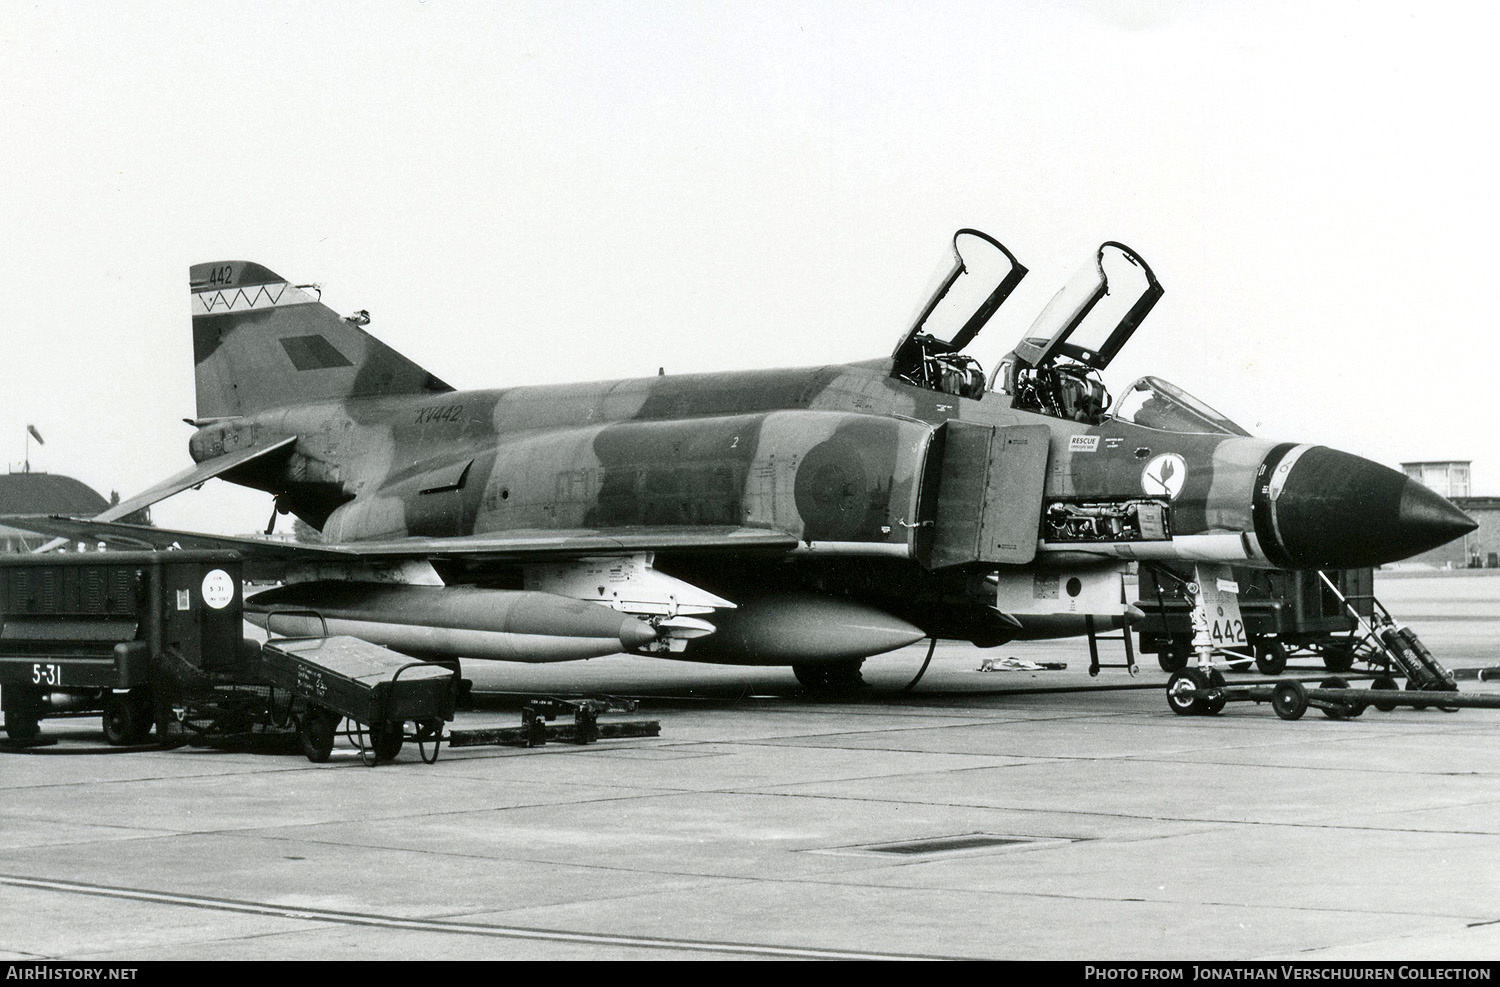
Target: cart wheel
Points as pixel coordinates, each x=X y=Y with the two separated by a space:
x=1270 y=656
x=1185 y=690
x=1214 y=704
x=1440 y=688
x=316 y=733
x=22 y=728
x=1172 y=653
x=21 y=706
x=1413 y=686
x=1338 y=655
x=429 y=732
x=387 y=740
x=1339 y=711
x=1289 y=700
x=127 y=718
x=1384 y=684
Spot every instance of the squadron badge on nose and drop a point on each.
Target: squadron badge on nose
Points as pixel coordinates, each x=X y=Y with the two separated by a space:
x=1164 y=476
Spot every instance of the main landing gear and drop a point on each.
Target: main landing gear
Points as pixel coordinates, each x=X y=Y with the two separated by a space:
x=831 y=677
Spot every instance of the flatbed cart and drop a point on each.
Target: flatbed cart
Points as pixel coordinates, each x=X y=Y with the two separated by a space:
x=333 y=679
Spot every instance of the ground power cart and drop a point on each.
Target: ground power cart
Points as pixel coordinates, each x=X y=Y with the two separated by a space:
x=87 y=633
x=1285 y=614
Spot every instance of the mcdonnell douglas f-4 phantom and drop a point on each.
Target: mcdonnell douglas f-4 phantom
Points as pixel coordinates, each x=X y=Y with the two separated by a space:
x=809 y=517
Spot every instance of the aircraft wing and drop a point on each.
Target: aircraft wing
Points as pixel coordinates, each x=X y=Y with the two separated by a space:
x=187 y=479
x=192 y=477
x=500 y=546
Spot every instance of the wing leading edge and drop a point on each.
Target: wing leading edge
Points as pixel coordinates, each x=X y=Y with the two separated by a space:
x=186 y=480
x=264 y=554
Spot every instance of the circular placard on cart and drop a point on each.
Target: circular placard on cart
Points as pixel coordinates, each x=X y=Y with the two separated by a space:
x=218 y=589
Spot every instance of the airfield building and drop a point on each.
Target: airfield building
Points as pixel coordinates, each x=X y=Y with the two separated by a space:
x=1479 y=548
x=42 y=493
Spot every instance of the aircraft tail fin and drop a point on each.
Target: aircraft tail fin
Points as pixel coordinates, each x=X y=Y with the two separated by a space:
x=260 y=342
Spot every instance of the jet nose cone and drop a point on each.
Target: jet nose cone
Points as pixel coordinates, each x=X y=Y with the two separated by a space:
x=1428 y=519
x=1330 y=510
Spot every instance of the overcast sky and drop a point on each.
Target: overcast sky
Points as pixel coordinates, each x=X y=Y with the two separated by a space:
x=538 y=192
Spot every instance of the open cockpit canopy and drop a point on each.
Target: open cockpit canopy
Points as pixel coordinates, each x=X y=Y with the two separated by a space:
x=1054 y=371
x=930 y=354
x=1095 y=313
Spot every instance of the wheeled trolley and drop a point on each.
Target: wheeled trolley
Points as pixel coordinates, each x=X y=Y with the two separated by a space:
x=332 y=679
x=1191 y=692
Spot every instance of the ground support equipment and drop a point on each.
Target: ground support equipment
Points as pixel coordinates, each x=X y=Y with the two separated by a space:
x=1395 y=648
x=536 y=728
x=84 y=633
x=1094 y=638
x=332 y=679
x=1291 y=698
x=1285 y=614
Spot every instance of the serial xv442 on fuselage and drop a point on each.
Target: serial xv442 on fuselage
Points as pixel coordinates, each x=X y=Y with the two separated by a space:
x=808 y=517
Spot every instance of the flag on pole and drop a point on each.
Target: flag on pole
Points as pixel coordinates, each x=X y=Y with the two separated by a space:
x=35 y=434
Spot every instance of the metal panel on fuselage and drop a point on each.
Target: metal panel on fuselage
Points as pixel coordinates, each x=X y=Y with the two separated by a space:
x=963 y=450
x=988 y=493
x=1013 y=494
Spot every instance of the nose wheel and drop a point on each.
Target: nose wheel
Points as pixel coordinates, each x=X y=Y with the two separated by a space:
x=1196 y=692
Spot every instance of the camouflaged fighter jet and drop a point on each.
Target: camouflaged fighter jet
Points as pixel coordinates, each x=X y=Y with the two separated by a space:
x=809 y=517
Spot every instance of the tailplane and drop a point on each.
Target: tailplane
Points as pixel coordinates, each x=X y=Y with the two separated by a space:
x=260 y=342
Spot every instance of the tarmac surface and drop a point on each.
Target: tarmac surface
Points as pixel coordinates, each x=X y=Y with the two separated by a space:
x=752 y=826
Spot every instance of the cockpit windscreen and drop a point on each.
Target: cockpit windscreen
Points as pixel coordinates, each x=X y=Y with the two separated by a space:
x=1154 y=403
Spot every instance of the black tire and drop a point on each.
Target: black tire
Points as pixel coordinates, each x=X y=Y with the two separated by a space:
x=1185 y=690
x=22 y=728
x=1270 y=656
x=387 y=740
x=316 y=731
x=1172 y=653
x=831 y=677
x=1415 y=687
x=1342 y=711
x=127 y=718
x=1338 y=655
x=1384 y=684
x=21 y=706
x=1213 y=703
x=1289 y=700
x=811 y=677
x=429 y=732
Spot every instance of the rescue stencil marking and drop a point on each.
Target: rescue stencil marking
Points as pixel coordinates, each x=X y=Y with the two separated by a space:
x=1083 y=443
x=1164 y=475
x=218 y=589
